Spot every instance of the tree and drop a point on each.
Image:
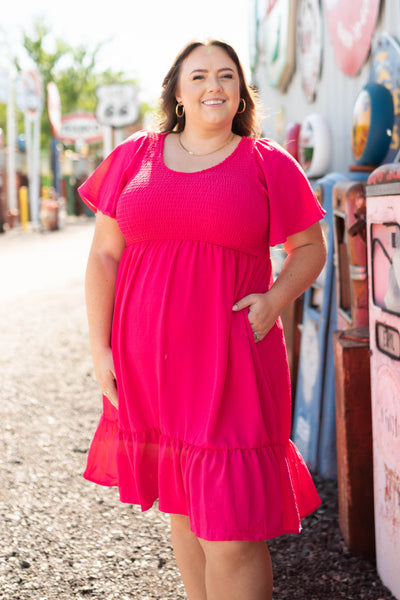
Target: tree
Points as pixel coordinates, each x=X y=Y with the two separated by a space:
x=72 y=69
x=78 y=82
x=46 y=62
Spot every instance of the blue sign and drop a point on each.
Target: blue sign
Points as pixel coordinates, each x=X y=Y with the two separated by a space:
x=385 y=70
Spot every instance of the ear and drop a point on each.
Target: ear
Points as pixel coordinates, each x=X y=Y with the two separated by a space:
x=177 y=92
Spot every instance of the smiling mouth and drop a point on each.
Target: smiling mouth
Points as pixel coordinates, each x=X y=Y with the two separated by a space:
x=213 y=102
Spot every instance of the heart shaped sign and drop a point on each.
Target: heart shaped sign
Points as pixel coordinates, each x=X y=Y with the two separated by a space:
x=351 y=26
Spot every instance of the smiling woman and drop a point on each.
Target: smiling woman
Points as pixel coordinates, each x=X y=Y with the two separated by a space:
x=245 y=122
x=185 y=330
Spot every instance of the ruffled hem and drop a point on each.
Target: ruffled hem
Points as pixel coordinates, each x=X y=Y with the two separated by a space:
x=101 y=464
x=228 y=494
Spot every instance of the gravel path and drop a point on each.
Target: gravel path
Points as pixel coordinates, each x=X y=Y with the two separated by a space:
x=63 y=538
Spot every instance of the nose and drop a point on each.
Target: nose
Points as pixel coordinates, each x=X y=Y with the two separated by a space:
x=214 y=83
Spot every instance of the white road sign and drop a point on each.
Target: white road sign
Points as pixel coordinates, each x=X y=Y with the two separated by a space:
x=118 y=105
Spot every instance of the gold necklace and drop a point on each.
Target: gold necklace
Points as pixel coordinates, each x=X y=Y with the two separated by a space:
x=207 y=153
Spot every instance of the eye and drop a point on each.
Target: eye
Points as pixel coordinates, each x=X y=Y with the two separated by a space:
x=227 y=76
x=197 y=77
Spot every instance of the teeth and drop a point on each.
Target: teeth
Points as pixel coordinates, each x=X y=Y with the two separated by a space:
x=213 y=102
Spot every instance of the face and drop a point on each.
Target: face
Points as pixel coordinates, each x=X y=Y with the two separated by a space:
x=209 y=87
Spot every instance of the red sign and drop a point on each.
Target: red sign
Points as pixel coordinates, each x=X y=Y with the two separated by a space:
x=351 y=26
x=80 y=127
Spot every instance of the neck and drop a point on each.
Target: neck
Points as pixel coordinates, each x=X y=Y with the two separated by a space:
x=200 y=140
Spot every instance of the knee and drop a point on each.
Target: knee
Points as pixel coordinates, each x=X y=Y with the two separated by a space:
x=231 y=555
x=180 y=523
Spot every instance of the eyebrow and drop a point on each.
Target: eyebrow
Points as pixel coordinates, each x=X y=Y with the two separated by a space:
x=206 y=70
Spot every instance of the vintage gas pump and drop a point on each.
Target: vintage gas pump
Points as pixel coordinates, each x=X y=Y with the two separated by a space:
x=373 y=118
x=350 y=257
x=351 y=366
x=383 y=223
x=372 y=123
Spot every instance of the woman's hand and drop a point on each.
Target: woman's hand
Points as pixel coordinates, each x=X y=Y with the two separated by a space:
x=262 y=314
x=105 y=375
x=306 y=257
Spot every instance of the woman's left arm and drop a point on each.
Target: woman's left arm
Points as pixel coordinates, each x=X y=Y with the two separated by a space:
x=306 y=257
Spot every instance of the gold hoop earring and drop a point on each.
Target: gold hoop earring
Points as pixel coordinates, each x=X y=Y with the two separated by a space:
x=178 y=113
x=239 y=112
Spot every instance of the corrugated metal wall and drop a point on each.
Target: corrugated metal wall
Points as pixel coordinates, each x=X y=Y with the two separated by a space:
x=336 y=92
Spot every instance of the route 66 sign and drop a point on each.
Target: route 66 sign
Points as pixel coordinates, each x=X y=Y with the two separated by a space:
x=118 y=105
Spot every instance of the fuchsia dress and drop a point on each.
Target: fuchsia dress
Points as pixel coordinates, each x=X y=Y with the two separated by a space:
x=204 y=412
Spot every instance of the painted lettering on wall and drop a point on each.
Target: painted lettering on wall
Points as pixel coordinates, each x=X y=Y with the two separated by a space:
x=351 y=26
x=384 y=78
x=390 y=422
x=391 y=506
x=349 y=36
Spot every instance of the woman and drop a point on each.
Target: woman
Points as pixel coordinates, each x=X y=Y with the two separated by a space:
x=185 y=331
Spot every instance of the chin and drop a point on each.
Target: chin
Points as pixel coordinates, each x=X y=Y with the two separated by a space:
x=219 y=120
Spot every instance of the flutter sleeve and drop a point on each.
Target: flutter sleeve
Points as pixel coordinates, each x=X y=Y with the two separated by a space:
x=103 y=187
x=293 y=205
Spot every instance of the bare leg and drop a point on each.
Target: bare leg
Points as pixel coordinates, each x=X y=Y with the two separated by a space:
x=189 y=557
x=237 y=570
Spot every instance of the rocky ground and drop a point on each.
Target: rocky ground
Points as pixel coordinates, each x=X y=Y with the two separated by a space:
x=63 y=538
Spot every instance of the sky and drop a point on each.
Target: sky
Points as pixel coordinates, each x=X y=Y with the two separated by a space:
x=142 y=36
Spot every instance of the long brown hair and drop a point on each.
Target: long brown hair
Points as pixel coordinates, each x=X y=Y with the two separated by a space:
x=245 y=124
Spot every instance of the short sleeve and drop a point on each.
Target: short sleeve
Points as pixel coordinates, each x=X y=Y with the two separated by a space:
x=103 y=187
x=293 y=205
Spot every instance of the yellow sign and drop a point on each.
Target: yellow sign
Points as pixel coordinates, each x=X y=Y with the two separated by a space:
x=361 y=124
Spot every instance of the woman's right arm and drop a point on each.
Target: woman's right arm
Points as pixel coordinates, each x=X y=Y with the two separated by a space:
x=101 y=273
